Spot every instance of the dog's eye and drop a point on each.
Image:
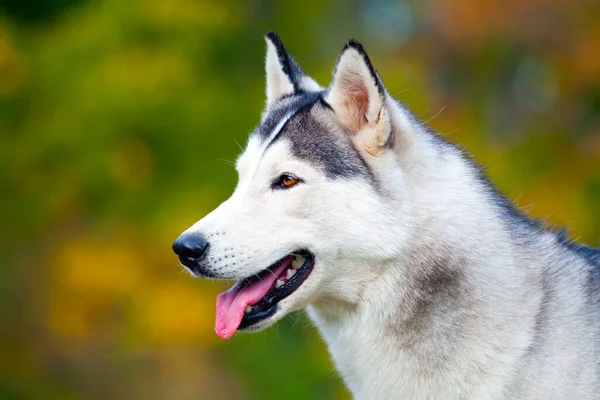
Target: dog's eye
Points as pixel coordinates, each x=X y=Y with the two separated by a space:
x=285 y=181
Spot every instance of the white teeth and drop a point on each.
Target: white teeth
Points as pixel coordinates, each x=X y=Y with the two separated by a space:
x=290 y=273
x=298 y=261
x=248 y=309
x=279 y=283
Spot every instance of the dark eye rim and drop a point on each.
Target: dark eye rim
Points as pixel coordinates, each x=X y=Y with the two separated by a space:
x=278 y=182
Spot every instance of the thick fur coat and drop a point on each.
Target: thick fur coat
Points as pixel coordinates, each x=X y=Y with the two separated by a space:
x=427 y=283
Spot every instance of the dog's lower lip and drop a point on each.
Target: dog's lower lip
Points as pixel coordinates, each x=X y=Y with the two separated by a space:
x=268 y=305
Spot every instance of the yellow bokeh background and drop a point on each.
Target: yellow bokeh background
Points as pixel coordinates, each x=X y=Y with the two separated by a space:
x=118 y=124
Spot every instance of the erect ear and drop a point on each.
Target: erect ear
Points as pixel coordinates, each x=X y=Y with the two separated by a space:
x=284 y=75
x=358 y=98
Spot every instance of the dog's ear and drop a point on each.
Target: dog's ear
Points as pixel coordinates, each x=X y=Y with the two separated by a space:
x=284 y=75
x=358 y=99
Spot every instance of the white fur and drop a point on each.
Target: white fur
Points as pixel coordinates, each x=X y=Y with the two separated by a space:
x=422 y=288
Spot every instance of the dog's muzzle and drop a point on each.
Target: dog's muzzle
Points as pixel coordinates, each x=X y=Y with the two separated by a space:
x=191 y=249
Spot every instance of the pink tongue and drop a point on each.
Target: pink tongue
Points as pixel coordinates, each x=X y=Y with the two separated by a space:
x=232 y=303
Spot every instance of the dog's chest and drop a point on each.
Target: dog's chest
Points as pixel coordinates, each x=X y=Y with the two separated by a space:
x=375 y=365
x=369 y=359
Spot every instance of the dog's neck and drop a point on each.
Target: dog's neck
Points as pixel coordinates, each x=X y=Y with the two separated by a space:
x=416 y=319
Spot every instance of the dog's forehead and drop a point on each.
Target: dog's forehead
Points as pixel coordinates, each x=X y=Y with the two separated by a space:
x=281 y=112
x=308 y=125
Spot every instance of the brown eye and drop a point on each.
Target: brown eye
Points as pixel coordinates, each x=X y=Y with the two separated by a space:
x=288 y=181
x=285 y=181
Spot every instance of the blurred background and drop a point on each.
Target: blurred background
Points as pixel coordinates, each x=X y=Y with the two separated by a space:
x=118 y=120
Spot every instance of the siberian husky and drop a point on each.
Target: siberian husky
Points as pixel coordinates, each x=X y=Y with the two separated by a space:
x=425 y=282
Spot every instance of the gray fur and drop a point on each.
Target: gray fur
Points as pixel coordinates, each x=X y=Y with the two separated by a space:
x=429 y=284
x=324 y=145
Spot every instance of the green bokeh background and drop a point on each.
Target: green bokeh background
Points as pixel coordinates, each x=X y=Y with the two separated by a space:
x=118 y=122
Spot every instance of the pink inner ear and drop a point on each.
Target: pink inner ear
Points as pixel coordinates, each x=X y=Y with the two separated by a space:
x=356 y=104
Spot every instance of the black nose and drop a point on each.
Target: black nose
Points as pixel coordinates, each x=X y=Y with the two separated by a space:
x=190 y=247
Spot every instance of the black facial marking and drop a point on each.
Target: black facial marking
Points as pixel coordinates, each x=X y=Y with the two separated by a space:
x=285 y=106
x=325 y=103
x=330 y=150
x=333 y=152
x=289 y=66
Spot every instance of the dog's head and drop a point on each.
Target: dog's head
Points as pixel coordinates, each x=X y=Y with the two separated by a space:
x=313 y=214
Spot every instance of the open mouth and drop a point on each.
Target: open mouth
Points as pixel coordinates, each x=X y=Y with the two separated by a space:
x=254 y=299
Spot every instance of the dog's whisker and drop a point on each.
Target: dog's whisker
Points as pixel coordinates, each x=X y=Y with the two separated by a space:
x=438 y=113
x=239 y=145
x=228 y=162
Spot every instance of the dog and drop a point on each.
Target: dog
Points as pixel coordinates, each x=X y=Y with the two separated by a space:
x=424 y=280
